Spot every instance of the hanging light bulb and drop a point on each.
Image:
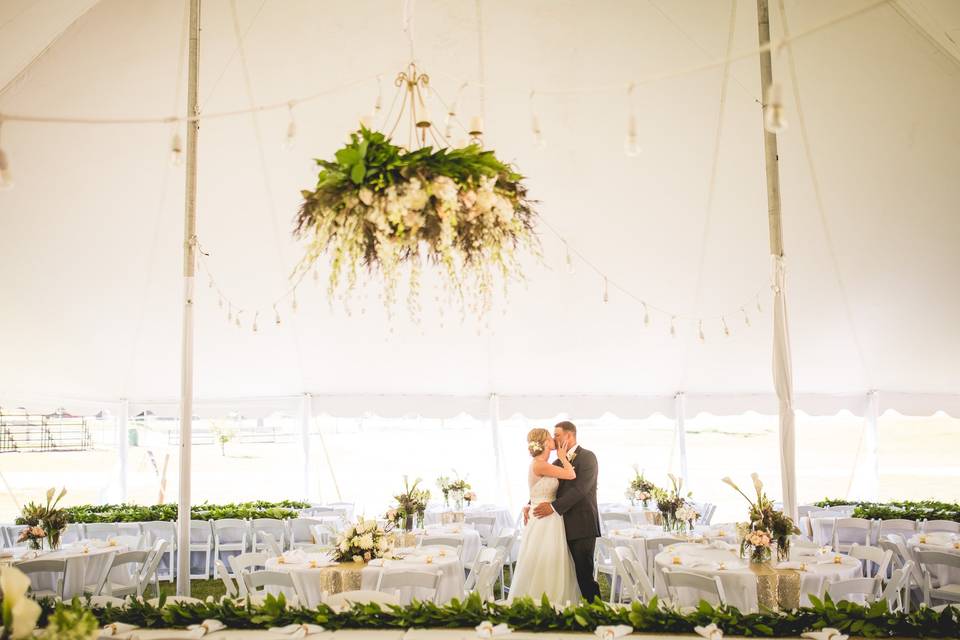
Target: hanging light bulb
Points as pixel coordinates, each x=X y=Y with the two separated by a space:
x=774 y=114
x=423 y=119
x=220 y=304
x=630 y=145
x=673 y=326
x=569 y=258
x=276 y=316
x=448 y=125
x=378 y=106
x=700 y=331
x=230 y=313
x=759 y=308
x=746 y=318
x=646 y=315
x=726 y=329
x=606 y=290
x=291 y=138
x=476 y=130
x=256 y=315
x=176 y=150
x=237 y=319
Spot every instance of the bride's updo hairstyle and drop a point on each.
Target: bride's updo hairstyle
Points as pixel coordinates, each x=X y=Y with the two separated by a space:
x=535 y=441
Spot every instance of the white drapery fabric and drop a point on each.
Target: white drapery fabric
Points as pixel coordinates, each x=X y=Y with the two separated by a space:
x=783 y=383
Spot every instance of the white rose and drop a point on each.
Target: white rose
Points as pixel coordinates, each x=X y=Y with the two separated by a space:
x=366 y=196
x=365 y=541
x=445 y=189
x=486 y=200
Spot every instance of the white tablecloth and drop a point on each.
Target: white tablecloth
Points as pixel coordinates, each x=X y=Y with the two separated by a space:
x=83 y=568
x=434 y=515
x=467 y=535
x=636 y=537
x=939 y=541
x=638 y=515
x=739 y=582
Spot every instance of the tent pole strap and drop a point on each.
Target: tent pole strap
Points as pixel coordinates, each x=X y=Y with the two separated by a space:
x=189 y=271
x=782 y=365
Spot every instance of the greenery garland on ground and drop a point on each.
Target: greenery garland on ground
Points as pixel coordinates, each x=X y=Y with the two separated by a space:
x=90 y=513
x=524 y=614
x=905 y=509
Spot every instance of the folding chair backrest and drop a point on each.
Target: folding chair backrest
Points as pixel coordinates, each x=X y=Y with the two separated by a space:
x=485 y=525
x=273 y=547
x=708 y=587
x=906 y=528
x=246 y=562
x=611 y=521
x=300 y=530
x=397 y=580
x=873 y=556
x=896 y=587
x=430 y=541
x=643 y=588
x=850 y=530
x=228 y=584
x=259 y=579
x=842 y=589
x=101 y=530
x=931 y=526
x=229 y=530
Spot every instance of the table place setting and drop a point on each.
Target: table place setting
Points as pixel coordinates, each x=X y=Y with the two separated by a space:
x=938 y=539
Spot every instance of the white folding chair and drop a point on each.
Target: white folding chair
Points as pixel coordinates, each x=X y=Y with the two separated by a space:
x=201 y=541
x=709 y=588
x=634 y=582
x=506 y=542
x=642 y=586
x=870 y=556
x=131 y=542
x=604 y=564
x=72 y=533
x=130 y=528
x=487 y=577
x=270 y=526
x=485 y=525
x=858 y=590
x=101 y=530
x=342 y=601
x=453 y=544
x=847 y=531
x=243 y=564
x=229 y=537
x=228 y=584
x=613 y=520
x=163 y=530
x=654 y=546
x=899 y=526
x=301 y=534
x=57 y=567
x=932 y=526
x=935 y=566
x=269 y=545
x=896 y=591
x=256 y=584
x=486 y=555
x=151 y=574
x=821 y=526
x=397 y=581
x=135 y=562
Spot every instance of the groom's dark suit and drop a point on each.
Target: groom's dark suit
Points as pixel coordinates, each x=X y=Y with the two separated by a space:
x=577 y=503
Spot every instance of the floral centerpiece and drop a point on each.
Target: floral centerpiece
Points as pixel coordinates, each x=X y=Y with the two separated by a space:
x=457 y=488
x=640 y=489
x=766 y=526
x=411 y=504
x=361 y=542
x=43 y=522
x=677 y=512
x=380 y=206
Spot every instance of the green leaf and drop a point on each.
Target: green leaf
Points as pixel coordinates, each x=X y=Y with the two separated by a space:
x=358 y=172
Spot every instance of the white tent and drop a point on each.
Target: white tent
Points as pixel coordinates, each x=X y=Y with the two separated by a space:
x=91 y=242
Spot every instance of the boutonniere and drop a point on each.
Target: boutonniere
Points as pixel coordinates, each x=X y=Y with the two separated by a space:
x=571 y=455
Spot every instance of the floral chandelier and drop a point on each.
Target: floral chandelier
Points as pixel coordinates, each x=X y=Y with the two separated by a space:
x=389 y=209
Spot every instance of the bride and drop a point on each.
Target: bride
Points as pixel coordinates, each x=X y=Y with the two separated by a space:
x=545 y=565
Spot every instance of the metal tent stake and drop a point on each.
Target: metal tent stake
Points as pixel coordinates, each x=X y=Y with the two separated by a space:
x=189 y=270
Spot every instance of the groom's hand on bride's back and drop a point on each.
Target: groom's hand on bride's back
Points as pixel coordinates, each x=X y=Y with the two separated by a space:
x=526 y=515
x=543 y=509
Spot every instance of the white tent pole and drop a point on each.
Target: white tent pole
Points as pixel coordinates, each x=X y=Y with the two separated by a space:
x=189 y=269
x=306 y=416
x=872 y=442
x=782 y=365
x=494 y=415
x=122 y=446
x=680 y=432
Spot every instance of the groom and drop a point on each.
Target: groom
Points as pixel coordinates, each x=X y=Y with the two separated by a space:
x=577 y=503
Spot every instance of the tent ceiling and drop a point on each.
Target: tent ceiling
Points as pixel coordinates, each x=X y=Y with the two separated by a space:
x=92 y=232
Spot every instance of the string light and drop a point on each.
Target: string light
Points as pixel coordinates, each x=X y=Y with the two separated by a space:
x=230 y=312
x=673 y=326
x=606 y=290
x=6 y=178
x=220 y=304
x=759 y=308
x=378 y=105
x=476 y=130
x=291 y=138
x=726 y=329
x=237 y=318
x=569 y=257
x=176 y=150
x=774 y=115
x=646 y=315
x=630 y=145
x=700 y=335
x=276 y=316
x=256 y=316
x=746 y=317
x=293 y=301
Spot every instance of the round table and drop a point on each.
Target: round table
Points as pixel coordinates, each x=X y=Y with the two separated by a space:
x=436 y=515
x=451 y=580
x=740 y=580
x=939 y=541
x=86 y=561
x=468 y=536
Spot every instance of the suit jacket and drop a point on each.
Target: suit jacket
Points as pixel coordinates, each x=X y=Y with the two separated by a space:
x=577 y=499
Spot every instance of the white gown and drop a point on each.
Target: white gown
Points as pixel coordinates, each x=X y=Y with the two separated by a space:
x=544 y=565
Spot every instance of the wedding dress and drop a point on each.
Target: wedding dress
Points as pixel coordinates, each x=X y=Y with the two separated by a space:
x=544 y=565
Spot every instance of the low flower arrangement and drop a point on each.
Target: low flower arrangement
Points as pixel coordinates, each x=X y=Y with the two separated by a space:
x=43 y=522
x=766 y=526
x=458 y=489
x=411 y=505
x=361 y=542
x=640 y=490
x=677 y=512
x=379 y=206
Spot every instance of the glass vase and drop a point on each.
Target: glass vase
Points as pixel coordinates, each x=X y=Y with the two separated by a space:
x=760 y=555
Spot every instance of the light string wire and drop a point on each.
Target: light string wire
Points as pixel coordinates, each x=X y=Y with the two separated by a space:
x=818 y=193
x=606 y=88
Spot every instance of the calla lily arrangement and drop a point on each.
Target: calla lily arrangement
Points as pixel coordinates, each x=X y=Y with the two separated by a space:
x=640 y=488
x=44 y=522
x=677 y=512
x=766 y=525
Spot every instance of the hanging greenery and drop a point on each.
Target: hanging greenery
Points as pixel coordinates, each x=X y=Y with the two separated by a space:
x=380 y=207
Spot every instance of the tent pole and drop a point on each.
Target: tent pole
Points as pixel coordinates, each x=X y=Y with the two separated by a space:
x=872 y=445
x=189 y=269
x=680 y=432
x=122 y=446
x=494 y=416
x=782 y=365
x=306 y=417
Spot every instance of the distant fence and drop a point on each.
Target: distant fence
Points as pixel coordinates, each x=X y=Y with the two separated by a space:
x=56 y=432
x=246 y=436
